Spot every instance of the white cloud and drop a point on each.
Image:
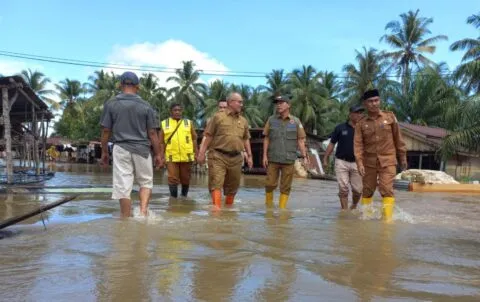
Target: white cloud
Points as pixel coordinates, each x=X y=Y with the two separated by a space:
x=8 y=68
x=168 y=54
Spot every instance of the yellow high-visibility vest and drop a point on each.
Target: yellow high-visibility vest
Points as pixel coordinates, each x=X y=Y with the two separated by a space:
x=180 y=147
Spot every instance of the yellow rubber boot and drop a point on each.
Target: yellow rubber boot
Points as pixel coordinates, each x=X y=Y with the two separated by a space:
x=388 y=204
x=283 y=201
x=269 y=199
x=367 y=201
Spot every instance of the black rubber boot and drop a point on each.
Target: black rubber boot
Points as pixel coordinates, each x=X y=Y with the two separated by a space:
x=173 y=190
x=184 y=190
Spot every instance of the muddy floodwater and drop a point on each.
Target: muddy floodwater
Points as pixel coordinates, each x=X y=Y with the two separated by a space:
x=186 y=252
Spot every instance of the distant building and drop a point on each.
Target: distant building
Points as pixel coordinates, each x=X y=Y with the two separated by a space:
x=423 y=144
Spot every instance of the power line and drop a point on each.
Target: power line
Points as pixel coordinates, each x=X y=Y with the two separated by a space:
x=169 y=70
x=115 y=64
x=149 y=68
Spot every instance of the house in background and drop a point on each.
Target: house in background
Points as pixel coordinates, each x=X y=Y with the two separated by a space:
x=423 y=144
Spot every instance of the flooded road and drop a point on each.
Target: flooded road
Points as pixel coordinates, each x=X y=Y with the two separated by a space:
x=184 y=252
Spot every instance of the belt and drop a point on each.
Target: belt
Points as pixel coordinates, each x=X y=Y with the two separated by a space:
x=229 y=153
x=350 y=160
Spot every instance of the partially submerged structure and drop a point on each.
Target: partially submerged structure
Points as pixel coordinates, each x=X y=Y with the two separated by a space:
x=23 y=125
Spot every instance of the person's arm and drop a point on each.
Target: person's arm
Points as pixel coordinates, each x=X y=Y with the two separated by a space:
x=106 y=122
x=328 y=152
x=266 y=142
x=301 y=142
x=358 y=149
x=161 y=143
x=207 y=139
x=246 y=145
x=105 y=137
x=152 y=135
x=400 y=146
x=158 y=157
x=194 y=139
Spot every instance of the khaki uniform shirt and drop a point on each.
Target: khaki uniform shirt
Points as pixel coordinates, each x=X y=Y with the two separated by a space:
x=300 y=131
x=228 y=131
x=379 y=139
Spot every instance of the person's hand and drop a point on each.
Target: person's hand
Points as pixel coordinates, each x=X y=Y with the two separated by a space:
x=159 y=161
x=325 y=162
x=201 y=158
x=404 y=166
x=249 y=162
x=105 y=159
x=361 y=170
x=265 y=162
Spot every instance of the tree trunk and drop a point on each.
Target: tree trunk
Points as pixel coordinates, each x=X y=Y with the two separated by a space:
x=406 y=79
x=7 y=134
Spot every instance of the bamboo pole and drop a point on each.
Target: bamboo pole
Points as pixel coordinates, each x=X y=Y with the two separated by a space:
x=7 y=134
x=41 y=209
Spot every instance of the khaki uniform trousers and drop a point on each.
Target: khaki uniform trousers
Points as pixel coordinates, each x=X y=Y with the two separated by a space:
x=224 y=171
x=385 y=176
x=179 y=173
x=287 y=172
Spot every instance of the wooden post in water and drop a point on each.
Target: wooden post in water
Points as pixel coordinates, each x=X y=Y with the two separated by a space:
x=44 y=142
x=7 y=133
x=35 y=133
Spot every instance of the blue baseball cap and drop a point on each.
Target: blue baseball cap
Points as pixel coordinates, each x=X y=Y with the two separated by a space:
x=129 y=78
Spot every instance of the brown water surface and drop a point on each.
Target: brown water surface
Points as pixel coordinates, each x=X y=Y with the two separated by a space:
x=185 y=252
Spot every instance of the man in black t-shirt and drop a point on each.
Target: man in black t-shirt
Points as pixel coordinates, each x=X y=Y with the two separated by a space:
x=345 y=166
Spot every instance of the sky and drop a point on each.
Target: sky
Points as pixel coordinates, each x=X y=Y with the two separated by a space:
x=225 y=36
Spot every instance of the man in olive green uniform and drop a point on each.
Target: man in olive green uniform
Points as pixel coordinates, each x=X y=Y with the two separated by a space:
x=283 y=134
x=178 y=145
x=377 y=144
x=226 y=136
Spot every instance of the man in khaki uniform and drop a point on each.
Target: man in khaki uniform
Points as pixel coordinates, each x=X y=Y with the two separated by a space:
x=283 y=133
x=378 y=142
x=226 y=136
x=221 y=105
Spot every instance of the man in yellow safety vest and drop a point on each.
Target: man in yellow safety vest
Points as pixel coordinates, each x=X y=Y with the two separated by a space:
x=178 y=145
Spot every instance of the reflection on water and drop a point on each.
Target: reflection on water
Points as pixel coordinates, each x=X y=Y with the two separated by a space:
x=185 y=252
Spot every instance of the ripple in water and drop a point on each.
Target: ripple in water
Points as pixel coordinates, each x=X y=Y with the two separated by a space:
x=374 y=212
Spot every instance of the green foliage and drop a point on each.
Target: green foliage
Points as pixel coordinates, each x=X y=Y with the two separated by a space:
x=423 y=92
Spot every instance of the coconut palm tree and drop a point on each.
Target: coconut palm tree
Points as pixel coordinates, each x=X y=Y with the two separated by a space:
x=429 y=94
x=216 y=91
x=468 y=73
x=464 y=127
x=103 y=81
x=308 y=96
x=189 y=90
x=38 y=83
x=277 y=82
x=69 y=91
x=410 y=39
x=155 y=95
x=368 y=74
x=251 y=104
